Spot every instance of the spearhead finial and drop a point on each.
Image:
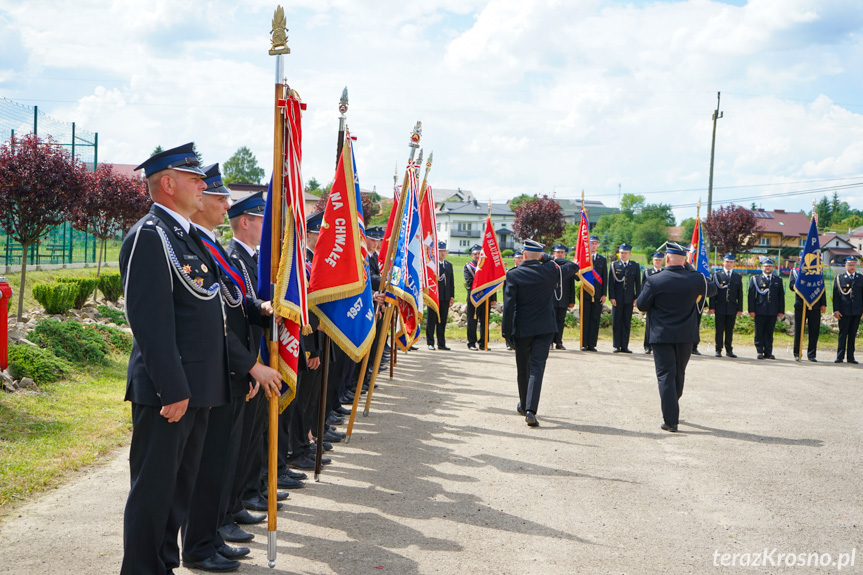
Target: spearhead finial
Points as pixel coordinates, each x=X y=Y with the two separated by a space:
x=420 y=160
x=279 y=33
x=343 y=102
x=429 y=161
x=416 y=134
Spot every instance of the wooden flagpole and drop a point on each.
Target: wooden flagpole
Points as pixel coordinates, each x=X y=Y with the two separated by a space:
x=279 y=47
x=488 y=299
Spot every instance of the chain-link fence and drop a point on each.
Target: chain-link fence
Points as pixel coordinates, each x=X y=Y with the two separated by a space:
x=62 y=244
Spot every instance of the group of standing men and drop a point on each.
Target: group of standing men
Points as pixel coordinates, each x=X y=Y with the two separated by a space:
x=199 y=416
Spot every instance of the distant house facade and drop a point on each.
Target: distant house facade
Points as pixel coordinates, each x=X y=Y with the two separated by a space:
x=781 y=235
x=835 y=248
x=460 y=225
x=572 y=211
x=442 y=195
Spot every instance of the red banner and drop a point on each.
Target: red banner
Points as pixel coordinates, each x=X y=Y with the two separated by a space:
x=428 y=233
x=490 y=271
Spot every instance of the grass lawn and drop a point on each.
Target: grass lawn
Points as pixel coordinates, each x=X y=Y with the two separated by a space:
x=65 y=425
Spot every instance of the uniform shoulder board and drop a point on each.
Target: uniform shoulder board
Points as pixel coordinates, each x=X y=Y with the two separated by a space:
x=150 y=223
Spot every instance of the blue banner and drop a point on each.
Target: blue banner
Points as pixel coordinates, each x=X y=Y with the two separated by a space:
x=810 y=276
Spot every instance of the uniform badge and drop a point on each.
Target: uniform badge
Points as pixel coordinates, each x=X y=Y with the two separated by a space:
x=187 y=268
x=199 y=281
x=179 y=231
x=204 y=268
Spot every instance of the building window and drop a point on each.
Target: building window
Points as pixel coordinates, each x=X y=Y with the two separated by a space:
x=763 y=241
x=462 y=243
x=802 y=242
x=438 y=226
x=464 y=226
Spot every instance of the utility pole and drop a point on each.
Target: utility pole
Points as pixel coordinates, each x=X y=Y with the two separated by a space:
x=716 y=115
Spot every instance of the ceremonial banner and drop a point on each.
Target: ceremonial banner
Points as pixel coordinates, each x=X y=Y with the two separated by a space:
x=810 y=277
x=405 y=287
x=588 y=276
x=428 y=225
x=698 y=251
x=490 y=271
x=340 y=292
x=289 y=331
x=390 y=224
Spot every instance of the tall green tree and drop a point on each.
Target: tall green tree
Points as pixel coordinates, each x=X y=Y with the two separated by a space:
x=649 y=235
x=825 y=213
x=242 y=168
x=519 y=200
x=157 y=150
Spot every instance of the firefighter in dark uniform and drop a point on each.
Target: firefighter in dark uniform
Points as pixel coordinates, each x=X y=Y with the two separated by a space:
x=766 y=303
x=446 y=293
x=566 y=301
x=672 y=299
x=813 y=316
x=658 y=259
x=475 y=315
x=203 y=547
x=727 y=305
x=528 y=319
x=178 y=368
x=848 y=308
x=624 y=285
x=593 y=304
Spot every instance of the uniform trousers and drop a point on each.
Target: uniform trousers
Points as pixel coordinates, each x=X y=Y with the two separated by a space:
x=848 y=326
x=163 y=463
x=436 y=325
x=251 y=462
x=724 y=331
x=476 y=320
x=813 y=325
x=764 y=325
x=670 y=360
x=621 y=324
x=531 y=354
x=592 y=315
x=210 y=497
x=647 y=332
x=560 y=317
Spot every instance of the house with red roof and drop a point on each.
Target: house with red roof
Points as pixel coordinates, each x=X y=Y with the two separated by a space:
x=781 y=235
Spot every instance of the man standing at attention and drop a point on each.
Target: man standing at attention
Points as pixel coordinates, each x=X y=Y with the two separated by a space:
x=658 y=258
x=528 y=323
x=446 y=293
x=727 y=305
x=593 y=304
x=178 y=368
x=766 y=303
x=624 y=285
x=848 y=308
x=566 y=291
x=813 y=316
x=672 y=299
x=475 y=315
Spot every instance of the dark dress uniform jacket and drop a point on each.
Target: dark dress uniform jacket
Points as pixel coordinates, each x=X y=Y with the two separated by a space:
x=798 y=301
x=851 y=304
x=624 y=292
x=445 y=282
x=729 y=295
x=375 y=271
x=567 y=294
x=600 y=266
x=528 y=308
x=670 y=298
x=772 y=302
x=248 y=268
x=179 y=343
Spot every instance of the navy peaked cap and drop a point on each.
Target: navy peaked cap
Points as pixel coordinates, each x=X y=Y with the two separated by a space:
x=181 y=158
x=252 y=205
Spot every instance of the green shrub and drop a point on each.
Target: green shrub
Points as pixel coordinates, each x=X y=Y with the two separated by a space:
x=86 y=287
x=507 y=253
x=111 y=286
x=119 y=340
x=70 y=341
x=605 y=320
x=707 y=320
x=570 y=320
x=55 y=297
x=36 y=363
x=111 y=314
x=745 y=325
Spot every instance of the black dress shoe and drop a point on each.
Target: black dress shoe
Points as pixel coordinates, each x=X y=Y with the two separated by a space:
x=813 y=360
x=332 y=437
x=530 y=418
x=771 y=356
x=302 y=463
x=796 y=357
x=617 y=350
x=246 y=517
x=591 y=348
x=696 y=352
x=333 y=419
x=648 y=351
x=285 y=482
x=666 y=427
x=718 y=354
x=473 y=348
x=294 y=474
x=229 y=552
x=559 y=346
x=519 y=408
x=342 y=410
x=234 y=533
x=215 y=563
x=625 y=350
x=443 y=347
x=760 y=356
x=413 y=348
x=729 y=354
x=854 y=361
x=837 y=360
x=584 y=349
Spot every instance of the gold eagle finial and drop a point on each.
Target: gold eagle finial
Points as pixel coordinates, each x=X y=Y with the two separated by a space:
x=279 y=33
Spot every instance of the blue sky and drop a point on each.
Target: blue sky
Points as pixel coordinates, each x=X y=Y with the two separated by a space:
x=515 y=97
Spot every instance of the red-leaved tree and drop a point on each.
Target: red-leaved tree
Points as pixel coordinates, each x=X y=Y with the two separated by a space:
x=539 y=219
x=732 y=229
x=40 y=185
x=111 y=203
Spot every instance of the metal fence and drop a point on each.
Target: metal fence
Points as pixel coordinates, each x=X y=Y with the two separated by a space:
x=62 y=244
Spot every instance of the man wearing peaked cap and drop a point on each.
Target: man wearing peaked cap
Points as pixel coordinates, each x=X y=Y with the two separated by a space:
x=593 y=304
x=672 y=299
x=446 y=293
x=727 y=305
x=528 y=323
x=564 y=298
x=658 y=259
x=203 y=546
x=624 y=285
x=848 y=308
x=252 y=205
x=811 y=319
x=766 y=303
x=178 y=367
x=475 y=315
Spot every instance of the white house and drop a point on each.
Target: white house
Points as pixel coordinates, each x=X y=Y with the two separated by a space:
x=460 y=225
